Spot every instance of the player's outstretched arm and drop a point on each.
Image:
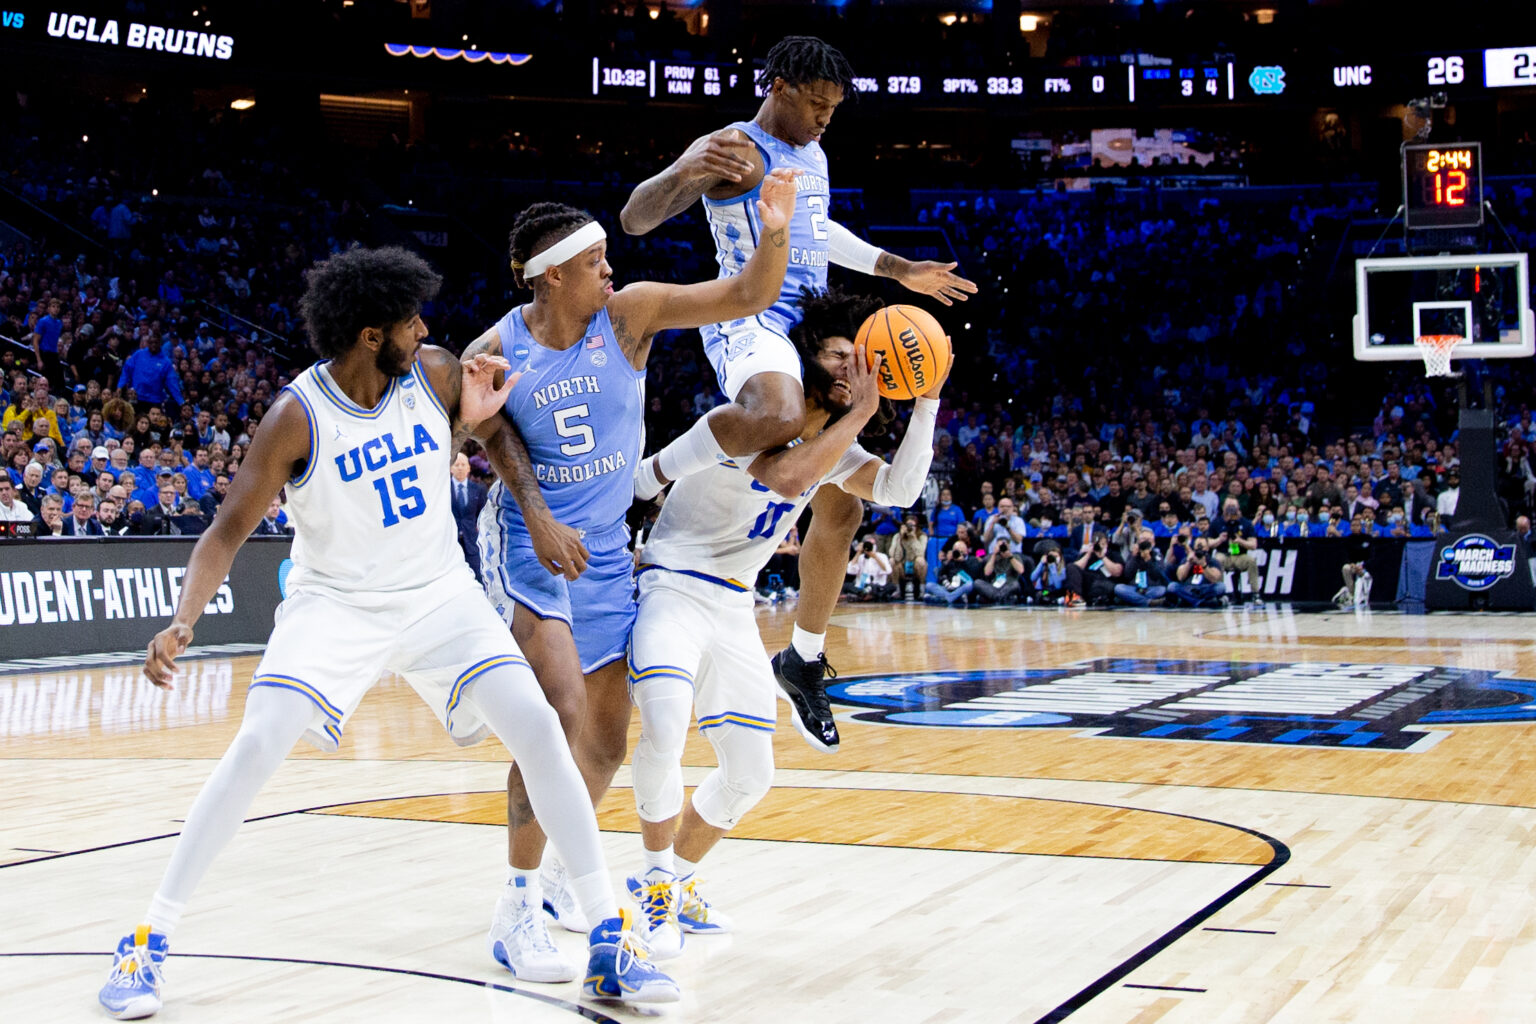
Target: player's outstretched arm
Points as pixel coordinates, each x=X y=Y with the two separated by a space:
x=643 y=308
x=899 y=483
x=926 y=277
x=792 y=471
x=279 y=449
x=727 y=156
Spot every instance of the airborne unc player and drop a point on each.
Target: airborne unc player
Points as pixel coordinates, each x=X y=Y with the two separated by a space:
x=581 y=350
x=362 y=441
x=696 y=645
x=803 y=81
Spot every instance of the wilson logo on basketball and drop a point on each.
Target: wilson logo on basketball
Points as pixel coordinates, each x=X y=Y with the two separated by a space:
x=915 y=360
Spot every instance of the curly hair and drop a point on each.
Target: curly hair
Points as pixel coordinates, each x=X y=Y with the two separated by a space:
x=800 y=60
x=833 y=313
x=537 y=228
x=362 y=288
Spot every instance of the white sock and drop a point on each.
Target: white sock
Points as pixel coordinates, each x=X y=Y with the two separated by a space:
x=659 y=859
x=525 y=887
x=696 y=450
x=164 y=915
x=595 y=894
x=807 y=645
x=685 y=868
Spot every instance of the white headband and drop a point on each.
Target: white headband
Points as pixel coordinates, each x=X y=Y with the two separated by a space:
x=588 y=234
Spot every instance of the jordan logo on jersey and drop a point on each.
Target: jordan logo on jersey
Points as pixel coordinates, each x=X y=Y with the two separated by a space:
x=380 y=451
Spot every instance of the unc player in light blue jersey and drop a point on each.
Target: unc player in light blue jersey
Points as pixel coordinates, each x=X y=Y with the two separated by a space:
x=803 y=81
x=361 y=441
x=580 y=349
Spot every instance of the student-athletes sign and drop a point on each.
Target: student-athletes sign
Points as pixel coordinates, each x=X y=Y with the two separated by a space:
x=96 y=596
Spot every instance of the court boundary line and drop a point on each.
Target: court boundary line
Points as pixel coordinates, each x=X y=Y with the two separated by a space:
x=561 y=1004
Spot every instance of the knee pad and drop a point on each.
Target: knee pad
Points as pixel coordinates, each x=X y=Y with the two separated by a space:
x=664 y=705
x=743 y=778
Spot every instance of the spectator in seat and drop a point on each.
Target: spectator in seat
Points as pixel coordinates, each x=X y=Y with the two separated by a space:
x=12 y=508
x=215 y=497
x=31 y=489
x=1143 y=581
x=999 y=582
x=158 y=519
x=82 y=519
x=957 y=573
x=1197 y=581
x=269 y=526
x=1233 y=546
x=909 y=555
x=50 y=521
x=108 y=517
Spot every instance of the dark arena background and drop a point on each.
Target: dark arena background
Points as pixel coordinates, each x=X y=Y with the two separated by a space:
x=1197 y=685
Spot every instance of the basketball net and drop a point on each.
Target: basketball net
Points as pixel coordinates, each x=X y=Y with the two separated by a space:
x=1436 y=350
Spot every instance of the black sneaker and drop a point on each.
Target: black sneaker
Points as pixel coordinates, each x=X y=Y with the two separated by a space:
x=801 y=684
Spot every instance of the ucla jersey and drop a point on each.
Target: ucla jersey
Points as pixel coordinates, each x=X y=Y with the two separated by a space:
x=735 y=226
x=722 y=525
x=581 y=414
x=372 y=509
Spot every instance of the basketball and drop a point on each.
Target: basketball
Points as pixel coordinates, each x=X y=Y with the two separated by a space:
x=915 y=347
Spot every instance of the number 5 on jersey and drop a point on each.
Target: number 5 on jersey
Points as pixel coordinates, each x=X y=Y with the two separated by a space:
x=566 y=428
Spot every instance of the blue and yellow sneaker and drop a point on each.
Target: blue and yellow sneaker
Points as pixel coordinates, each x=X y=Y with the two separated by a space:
x=132 y=990
x=656 y=892
x=696 y=914
x=618 y=968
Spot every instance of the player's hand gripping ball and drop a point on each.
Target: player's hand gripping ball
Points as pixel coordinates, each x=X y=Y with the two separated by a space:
x=916 y=350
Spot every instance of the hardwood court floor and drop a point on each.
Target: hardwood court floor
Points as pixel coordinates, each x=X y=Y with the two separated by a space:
x=1248 y=815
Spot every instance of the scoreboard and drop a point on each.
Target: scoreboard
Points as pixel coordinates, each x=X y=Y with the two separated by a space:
x=1443 y=185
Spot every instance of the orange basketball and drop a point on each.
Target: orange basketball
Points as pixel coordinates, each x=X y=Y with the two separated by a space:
x=916 y=350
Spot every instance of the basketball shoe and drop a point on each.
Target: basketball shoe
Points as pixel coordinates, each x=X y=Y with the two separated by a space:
x=132 y=990
x=697 y=914
x=801 y=685
x=618 y=968
x=519 y=941
x=559 y=901
x=656 y=892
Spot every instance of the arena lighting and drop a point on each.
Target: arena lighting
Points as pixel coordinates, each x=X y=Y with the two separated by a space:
x=243 y=103
x=443 y=53
x=947 y=19
x=655 y=13
x=1264 y=15
x=1029 y=22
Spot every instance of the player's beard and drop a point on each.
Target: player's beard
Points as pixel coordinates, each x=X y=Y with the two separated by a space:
x=818 y=386
x=390 y=359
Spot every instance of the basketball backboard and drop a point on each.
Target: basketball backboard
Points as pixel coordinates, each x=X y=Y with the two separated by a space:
x=1484 y=298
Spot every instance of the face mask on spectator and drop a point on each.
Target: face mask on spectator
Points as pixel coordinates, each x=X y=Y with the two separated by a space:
x=1290 y=515
x=1395 y=517
x=1269 y=519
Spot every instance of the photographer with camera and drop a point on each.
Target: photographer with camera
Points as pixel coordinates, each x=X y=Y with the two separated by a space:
x=1005 y=524
x=1098 y=569
x=1001 y=575
x=1127 y=533
x=1143 y=581
x=909 y=556
x=957 y=572
x=1051 y=581
x=1197 y=582
x=871 y=572
x=1234 y=546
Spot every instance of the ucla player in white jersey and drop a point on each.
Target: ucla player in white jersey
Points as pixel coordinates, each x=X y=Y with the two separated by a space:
x=804 y=80
x=580 y=349
x=362 y=443
x=696 y=646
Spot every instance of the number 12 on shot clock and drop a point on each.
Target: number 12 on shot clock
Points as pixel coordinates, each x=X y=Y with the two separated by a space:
x=1443 y=185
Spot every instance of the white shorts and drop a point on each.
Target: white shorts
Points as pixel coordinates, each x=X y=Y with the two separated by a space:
x=333 y=646
x=741 y=349
x=706 y=633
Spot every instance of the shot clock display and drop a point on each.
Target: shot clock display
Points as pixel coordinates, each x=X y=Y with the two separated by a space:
x=1443 y=185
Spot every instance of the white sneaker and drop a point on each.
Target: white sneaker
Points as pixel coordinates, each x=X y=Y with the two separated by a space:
x=656 y=892
x=520 y=942
x=1343 y=598
x=697 y=914
x=559 y=901
x=1363 y=590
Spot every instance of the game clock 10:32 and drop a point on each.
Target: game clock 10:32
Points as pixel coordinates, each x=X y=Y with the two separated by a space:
x=1443 y=185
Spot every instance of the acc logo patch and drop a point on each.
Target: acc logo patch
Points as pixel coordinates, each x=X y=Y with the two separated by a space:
x=1307 y=704
x=1475 y=562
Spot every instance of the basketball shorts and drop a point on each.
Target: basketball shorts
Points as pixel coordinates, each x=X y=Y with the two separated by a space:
x=699 y=630
x=598 y=605
x=741 y=349
x=332 y=646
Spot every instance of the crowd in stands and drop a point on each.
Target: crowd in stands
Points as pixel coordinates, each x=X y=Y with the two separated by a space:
x=1135 y=367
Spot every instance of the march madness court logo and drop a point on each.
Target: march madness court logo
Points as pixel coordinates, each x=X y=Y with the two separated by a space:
x=1475 y=562
x=1309 y=704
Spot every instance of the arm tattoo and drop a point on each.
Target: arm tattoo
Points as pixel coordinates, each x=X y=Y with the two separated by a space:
x=660 y=199
x=627 y=341
x=509 y=458
x=887 y=265
x=777 y=238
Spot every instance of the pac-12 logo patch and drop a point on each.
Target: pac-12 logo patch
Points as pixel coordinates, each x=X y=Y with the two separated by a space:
x=1475 y=562
x=1308 y=704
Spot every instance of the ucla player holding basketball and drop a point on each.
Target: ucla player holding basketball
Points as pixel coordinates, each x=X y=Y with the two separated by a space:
x=696 y=646
x=805 y=80
x=581 y=351
x=362 y=443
